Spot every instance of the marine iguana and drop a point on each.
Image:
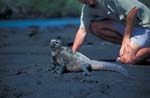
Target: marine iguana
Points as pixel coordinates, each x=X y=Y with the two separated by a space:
x=64 y=59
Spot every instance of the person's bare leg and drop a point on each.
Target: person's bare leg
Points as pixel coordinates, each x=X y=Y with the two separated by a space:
x=133 y=54
x=106 y=30
x=142 y=54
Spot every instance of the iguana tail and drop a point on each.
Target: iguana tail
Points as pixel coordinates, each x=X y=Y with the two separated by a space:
x=100 y=65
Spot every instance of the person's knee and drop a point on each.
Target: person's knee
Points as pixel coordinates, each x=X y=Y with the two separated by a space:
x=98 y=29
x=133 y=60
x=105 y=30
x=95 y=27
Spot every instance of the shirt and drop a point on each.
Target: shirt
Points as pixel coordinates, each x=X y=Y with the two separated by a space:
x=114 y=9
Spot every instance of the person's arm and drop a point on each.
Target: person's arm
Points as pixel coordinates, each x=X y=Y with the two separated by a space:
x=130 y=23
x=128 y=49
x=85 y=21
x=81 y=33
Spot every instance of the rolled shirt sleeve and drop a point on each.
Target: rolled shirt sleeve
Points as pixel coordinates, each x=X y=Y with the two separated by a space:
x=86 y=18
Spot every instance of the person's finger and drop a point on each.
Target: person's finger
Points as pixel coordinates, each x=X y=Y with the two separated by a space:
x=126 y=48
x=121 y=51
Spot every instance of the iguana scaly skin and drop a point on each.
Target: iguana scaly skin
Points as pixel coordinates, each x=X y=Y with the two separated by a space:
x=64 y=59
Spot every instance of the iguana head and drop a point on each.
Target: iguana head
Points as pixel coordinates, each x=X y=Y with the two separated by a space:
x=55 y=45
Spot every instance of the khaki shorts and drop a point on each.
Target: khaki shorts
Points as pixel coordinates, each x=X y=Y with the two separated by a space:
x=140 y=35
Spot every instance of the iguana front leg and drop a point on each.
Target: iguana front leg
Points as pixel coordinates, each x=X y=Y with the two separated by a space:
x=61 y=66
x=61 y=69
x=57 y=66
x=54 y=65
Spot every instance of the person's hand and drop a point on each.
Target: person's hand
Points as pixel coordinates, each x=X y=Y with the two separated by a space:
x=71 y=51
x=125 y=46
x=126 y=52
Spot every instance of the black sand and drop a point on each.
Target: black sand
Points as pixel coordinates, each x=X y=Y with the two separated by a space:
x=25 y=60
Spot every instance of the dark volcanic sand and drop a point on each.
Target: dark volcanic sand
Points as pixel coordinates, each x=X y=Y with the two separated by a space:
x=25 y=61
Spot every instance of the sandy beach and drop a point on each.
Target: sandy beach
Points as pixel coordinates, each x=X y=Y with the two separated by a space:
x=25 y=60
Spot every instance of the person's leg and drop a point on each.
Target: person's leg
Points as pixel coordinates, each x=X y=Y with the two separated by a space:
x=142 y=54
x=134 y=57
x=139 y=47
x=111 y=31
x=108 y=30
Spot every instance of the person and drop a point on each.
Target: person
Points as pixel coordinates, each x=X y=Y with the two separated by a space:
x=126 y=22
